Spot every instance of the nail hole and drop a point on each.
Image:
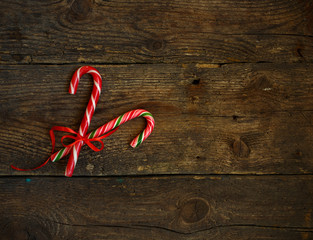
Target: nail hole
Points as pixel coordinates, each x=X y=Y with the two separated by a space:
x=235 y=117
x=196 y=81
x=299 y=52
x=299 y=154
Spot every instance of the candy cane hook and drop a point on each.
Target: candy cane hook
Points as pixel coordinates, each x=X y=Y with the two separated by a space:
x=113 y=124
x=96 y=91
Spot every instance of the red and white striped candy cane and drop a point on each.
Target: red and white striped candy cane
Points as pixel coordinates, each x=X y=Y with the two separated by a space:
x=124 y=118
x=88 y=114
x=113 y=124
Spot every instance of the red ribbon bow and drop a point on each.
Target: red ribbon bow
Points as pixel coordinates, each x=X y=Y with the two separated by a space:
x=77 y=138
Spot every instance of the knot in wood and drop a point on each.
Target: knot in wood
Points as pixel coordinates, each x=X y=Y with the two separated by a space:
x=260 y=83
x=193 y=210
x=81 y=9
x=156 y=45
x=240 y=148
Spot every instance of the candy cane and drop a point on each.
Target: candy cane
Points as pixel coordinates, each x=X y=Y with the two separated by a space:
x=88 y=114
x=114 y=124
x=124 y=118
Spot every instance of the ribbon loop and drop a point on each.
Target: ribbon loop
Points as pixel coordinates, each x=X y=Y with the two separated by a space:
x=92 y=146
x=79 y=138
x=71 y=144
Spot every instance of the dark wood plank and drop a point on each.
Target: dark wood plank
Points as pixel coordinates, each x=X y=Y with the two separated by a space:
x=159 y=31
x=248 y=118
x=219 y=207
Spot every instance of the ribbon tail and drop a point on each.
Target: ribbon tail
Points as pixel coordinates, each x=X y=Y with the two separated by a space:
x=30 y=169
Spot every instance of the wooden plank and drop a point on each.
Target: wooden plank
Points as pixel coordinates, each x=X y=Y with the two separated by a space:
x=216 y=207
x=163 y=31
x=248 y=118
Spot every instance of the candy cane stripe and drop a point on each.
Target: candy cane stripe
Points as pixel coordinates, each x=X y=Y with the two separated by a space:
x=146 y=114
x=106 y=127
x=93 y=102
x=75 y=154
x=59 y=155
x=117 y=123
x=87 y=116
x=127 y=115
x=96 y=72
x=98 y=87
x=140 y=138
x=92 y=134
x=72 y=88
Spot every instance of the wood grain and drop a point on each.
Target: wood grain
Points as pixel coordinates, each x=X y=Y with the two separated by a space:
x=234 y=119
x=216 y=207
x=230 y=84
x=185 y=31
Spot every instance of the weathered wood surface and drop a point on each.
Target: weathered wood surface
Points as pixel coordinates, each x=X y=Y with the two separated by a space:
x=159 y=31
x=220 y=207
x=213 y=119
x=245 y=118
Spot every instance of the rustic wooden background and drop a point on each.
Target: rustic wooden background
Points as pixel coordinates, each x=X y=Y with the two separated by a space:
x=230 y=84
